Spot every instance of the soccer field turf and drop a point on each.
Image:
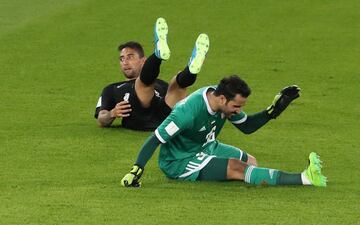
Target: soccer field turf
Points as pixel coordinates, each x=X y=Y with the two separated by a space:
x=58 y=167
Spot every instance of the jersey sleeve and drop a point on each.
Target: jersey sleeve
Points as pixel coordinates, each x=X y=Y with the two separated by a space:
x=178 y=120
x=238 y=118
x=253 y=122
x=106 y=101
x=97 y=109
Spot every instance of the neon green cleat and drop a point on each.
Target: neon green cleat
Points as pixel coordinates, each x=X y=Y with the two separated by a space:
x=162 y=50
x=313 y=172
x=199 y=52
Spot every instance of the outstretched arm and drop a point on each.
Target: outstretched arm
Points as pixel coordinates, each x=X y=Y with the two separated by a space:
x=283 y=100
x=132 y=178
x=280 y=103
x=253 y=122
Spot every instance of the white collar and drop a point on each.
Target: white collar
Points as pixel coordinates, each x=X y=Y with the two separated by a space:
x=211 y=112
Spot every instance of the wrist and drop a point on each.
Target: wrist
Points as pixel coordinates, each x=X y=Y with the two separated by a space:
x=137 y=167
x=137 y=170
x=112 y=114
x=267 y=113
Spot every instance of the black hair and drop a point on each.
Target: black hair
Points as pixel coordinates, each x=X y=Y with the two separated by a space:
x=231 y=86
x=133 y=45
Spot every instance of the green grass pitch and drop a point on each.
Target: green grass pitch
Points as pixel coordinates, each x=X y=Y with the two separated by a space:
x=58 y=167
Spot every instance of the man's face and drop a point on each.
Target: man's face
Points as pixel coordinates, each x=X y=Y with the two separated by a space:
x=131 y=63
x=234 y=106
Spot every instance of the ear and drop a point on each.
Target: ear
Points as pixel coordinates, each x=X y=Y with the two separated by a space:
x=222 y=99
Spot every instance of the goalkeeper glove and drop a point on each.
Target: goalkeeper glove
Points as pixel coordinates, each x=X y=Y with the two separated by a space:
x=132 y=178
x=282 y=100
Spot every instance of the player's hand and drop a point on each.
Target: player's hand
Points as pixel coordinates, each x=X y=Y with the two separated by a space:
x=282 y=100
x=122 y=109
x=132 y=178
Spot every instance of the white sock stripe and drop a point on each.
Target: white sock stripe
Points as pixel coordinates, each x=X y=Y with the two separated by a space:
x=248 y=174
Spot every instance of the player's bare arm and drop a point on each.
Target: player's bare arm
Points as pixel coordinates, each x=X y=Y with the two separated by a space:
x=121 y=109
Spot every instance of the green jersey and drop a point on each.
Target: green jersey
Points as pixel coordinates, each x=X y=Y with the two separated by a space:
x=190 y=130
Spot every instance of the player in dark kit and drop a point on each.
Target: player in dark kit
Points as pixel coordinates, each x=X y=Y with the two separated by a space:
x=140 y=118
x=143 y=101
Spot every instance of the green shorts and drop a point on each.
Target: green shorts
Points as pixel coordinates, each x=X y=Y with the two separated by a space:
x=189 y=168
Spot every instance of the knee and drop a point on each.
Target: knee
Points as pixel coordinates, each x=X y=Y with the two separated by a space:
x=236 y=169
x=251 y=160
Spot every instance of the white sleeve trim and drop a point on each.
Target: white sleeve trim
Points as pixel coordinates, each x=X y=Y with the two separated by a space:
x=99 y=102
x=240 y=121
x=157 y=134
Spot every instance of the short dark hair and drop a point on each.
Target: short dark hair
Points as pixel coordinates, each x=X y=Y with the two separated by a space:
x=231 y=86
x=133 y=45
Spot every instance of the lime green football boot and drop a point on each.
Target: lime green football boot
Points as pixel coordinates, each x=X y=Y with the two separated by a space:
x=162 y=50
x=313 y=172
x=199 y=52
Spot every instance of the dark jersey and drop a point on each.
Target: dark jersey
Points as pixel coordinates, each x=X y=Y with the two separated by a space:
x=140 y=118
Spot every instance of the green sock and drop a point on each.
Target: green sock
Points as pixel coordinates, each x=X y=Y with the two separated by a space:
x=258 y=175
x=289 y=178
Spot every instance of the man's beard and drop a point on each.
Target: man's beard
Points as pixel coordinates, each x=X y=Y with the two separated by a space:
x=130 y=75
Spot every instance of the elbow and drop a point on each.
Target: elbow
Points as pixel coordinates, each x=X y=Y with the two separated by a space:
x=102 y=124
x=245 y=129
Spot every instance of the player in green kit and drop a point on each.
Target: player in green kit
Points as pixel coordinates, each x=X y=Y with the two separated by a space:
x=189 y=149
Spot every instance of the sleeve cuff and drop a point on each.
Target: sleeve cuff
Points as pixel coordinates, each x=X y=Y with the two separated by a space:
x=157 y=134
